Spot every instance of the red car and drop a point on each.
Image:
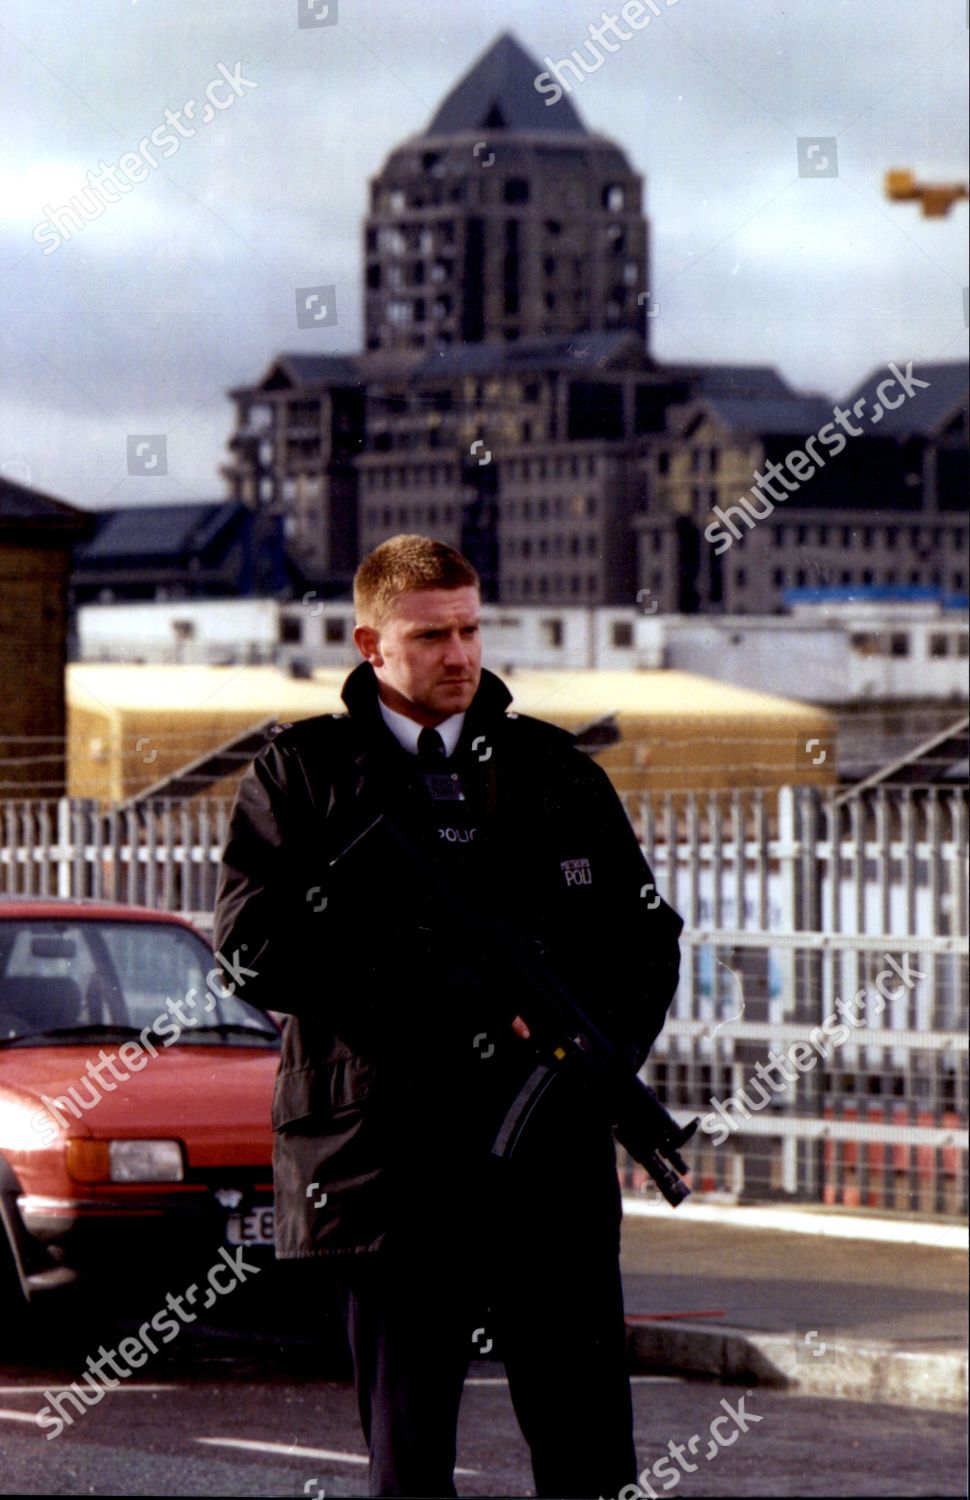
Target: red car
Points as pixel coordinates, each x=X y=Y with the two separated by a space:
x=135 y=1090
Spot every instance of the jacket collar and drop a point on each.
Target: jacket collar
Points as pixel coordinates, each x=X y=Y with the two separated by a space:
x=360 y=695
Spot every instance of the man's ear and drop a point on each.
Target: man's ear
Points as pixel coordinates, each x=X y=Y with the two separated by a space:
x=368 y=643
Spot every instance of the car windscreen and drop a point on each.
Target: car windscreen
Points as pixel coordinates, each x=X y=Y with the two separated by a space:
x=76 y=979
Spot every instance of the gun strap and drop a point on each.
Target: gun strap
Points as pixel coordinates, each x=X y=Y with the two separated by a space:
x=521 y=1109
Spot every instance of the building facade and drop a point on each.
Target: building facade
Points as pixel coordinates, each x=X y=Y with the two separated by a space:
x=37 y=534
x=506 y=401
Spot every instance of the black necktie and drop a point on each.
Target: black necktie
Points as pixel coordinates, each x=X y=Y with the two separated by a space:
x=431 y=750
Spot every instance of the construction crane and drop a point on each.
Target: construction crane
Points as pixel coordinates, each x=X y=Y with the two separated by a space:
x=936 y=198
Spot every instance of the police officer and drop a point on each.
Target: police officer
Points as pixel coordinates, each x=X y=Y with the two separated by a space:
x=406 y=1040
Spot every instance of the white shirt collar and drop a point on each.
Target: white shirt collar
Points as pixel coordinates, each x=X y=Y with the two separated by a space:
x=406 y=730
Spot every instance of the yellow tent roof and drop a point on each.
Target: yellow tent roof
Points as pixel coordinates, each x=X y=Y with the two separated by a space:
x=650 y=694
x=131 y=725
x=259 y=691
x=264 y=691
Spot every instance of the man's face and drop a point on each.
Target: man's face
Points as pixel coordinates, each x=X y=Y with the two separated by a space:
x=427 y=655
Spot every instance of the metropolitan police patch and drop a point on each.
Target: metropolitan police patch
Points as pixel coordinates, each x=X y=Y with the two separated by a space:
x=577 y=871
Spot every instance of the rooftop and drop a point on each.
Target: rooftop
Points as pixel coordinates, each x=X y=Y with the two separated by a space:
x=580 y=350
x=927 y=410
x=560 y=696
x=159 y=530
x=23 y=508
x=792 y=415
x=498 y=93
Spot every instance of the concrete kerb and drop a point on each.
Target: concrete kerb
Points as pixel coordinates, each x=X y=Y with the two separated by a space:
x=857 y=1372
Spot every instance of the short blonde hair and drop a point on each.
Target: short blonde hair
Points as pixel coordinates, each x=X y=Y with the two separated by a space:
x=402 y=565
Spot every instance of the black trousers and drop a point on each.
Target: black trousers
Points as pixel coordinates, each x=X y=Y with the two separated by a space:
x=509 y=1259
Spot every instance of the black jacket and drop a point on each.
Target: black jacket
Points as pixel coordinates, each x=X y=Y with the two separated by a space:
x=393 y=1056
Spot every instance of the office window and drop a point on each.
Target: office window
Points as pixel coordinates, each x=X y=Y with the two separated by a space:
x=939 y=645
x=334 y=631
x=899 y=643
x=621 y=633
x=551 y=631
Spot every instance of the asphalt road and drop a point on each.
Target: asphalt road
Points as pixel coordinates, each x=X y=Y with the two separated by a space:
x=228 y=1417
x=245 y=1409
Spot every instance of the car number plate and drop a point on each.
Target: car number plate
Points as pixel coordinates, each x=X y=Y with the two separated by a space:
x=254 y=1228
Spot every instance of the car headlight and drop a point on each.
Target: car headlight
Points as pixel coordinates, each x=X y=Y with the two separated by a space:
x=125 y=1161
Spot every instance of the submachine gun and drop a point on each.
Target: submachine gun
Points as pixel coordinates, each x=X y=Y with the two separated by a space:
x=565 y=1039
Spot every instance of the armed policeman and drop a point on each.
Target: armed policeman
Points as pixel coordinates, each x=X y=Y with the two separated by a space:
x=406 y=1043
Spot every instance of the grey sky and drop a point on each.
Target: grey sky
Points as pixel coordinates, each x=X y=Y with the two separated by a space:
x=139 y=322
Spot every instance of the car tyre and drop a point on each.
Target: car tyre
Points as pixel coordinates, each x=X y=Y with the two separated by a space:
x=15 y=1317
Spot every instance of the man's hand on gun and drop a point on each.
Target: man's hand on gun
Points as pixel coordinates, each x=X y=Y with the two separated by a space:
x=567 y=1040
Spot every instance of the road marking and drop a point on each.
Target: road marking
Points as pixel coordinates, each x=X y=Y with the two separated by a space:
x=32 y=1390
x=291 y=1450
x=634 y=1379
x=18 y=1416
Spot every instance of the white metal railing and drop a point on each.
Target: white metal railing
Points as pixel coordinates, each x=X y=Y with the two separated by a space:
x=792 y=903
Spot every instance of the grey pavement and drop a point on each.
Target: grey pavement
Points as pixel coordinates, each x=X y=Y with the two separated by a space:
x=855 y=1317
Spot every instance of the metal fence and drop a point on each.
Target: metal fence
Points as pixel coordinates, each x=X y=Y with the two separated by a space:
x=820 y=1024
